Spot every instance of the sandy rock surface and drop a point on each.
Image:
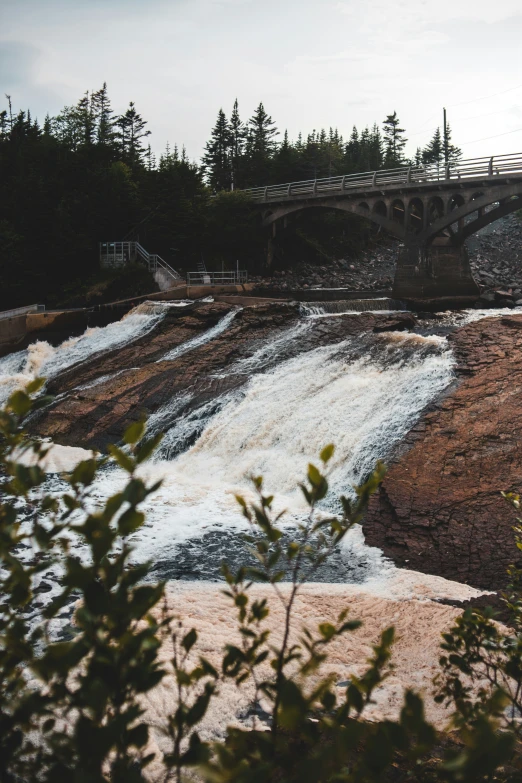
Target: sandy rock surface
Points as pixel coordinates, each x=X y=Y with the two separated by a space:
x=418 y=623
x=439 y=509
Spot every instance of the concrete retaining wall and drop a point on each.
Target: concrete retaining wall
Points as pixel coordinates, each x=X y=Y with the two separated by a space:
x=12 y=329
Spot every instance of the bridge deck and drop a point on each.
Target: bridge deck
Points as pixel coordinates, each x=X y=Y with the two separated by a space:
x=493 y=170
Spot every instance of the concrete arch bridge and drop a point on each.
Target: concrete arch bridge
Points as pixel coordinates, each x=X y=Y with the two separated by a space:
x=431 y=209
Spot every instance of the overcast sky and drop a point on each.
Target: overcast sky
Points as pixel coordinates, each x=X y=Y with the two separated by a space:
x=313 y=63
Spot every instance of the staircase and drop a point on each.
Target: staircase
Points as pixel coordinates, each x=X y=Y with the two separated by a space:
x=202 y=271
x=117 y=254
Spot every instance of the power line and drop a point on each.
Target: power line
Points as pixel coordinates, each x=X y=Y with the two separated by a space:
x=462 y=119
x=485 y=97
x=486 y=138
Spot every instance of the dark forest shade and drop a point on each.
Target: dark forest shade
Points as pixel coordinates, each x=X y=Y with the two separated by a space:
x=89 y=175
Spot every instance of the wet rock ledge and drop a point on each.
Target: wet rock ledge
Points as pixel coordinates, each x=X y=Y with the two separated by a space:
x=439 y=509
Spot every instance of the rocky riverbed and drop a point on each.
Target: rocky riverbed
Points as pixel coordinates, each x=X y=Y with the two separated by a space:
x=439 y=509
x=495 y=255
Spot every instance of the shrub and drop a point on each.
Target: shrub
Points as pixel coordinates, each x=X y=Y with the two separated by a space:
x=71 y=709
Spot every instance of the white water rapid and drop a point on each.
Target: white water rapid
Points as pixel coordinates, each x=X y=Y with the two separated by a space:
x=363 y=394
x=41 y=359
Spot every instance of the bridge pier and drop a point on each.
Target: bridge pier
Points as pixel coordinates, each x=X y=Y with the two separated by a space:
x=437 y=271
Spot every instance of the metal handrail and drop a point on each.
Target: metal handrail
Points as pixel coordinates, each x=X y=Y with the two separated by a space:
x=130 y=250
x=492 y=166
x=27 y=310
x=154 y=261
x=217 y=278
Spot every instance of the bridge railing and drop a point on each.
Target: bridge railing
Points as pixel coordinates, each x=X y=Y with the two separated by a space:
x=462 y=169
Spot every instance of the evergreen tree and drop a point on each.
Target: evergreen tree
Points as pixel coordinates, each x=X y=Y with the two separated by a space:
x=376 y=148
x=454 y=153
x=85 y=119
x=395 y=141
x=261 y=146
x=351 y=154
x=131 y=131
x=150 y=159
x=284 y=162
x=237 y=146
x=217 y=157
x=434 y=151
x=104 y=116
x=4 y=125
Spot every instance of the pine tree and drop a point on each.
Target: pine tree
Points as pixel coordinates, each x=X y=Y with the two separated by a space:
x=394 y=139
x=351 y=154
x=85 y=120
x=131 y=131
x=237 y=146
x=217 y=157
x=104 y=116
x=4 y=125
x=454 y=153
x=434 y=151
x=261 y=146
x=284 y=162
x=376 y=148
x=150 y=159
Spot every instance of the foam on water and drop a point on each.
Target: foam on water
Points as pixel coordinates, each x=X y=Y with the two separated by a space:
x=470 y=316
x=203 y=338
x=277 y=423
x=42 y=359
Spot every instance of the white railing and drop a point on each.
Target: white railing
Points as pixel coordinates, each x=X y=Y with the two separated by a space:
x=120 y=253
x=475 y=168
x=36 y=308
x=156 y=262
x=217 y=278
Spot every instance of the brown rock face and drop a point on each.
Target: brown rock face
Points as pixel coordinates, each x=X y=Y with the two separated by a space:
x=97 y=399
x=439 y=509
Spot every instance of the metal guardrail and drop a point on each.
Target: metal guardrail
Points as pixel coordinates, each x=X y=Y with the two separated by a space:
x=155 y=262
x=120 y=253
x=498 y=165
x=36 y=308
x=217 y=278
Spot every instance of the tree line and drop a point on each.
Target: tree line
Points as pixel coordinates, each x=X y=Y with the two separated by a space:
x=247 y=154
x=89 y=174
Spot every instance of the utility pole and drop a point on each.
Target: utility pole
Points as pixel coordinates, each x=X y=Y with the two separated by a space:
x=446 y=141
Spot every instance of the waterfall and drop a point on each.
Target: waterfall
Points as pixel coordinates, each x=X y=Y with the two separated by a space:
x=363 y=394
x=41 y=359
x=312 y=309
x=203 y=338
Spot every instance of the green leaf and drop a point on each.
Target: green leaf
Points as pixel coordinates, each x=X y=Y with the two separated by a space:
x=134 y=432
x=123 y=460
x=34 y=386
x=314 y=476
x=148 y=447
x=130 y=521
x=190 y=639
x=84 y=472
x=327 y=453
x=19 y=402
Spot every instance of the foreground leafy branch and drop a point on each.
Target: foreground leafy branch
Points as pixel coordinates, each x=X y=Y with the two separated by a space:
x=73 y=709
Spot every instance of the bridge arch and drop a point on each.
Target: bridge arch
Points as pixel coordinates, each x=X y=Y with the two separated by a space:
x=398 y=211
x=435 y=209
x=365 y=206
x=457 y=200
x=380 y=208
x=416 y=214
